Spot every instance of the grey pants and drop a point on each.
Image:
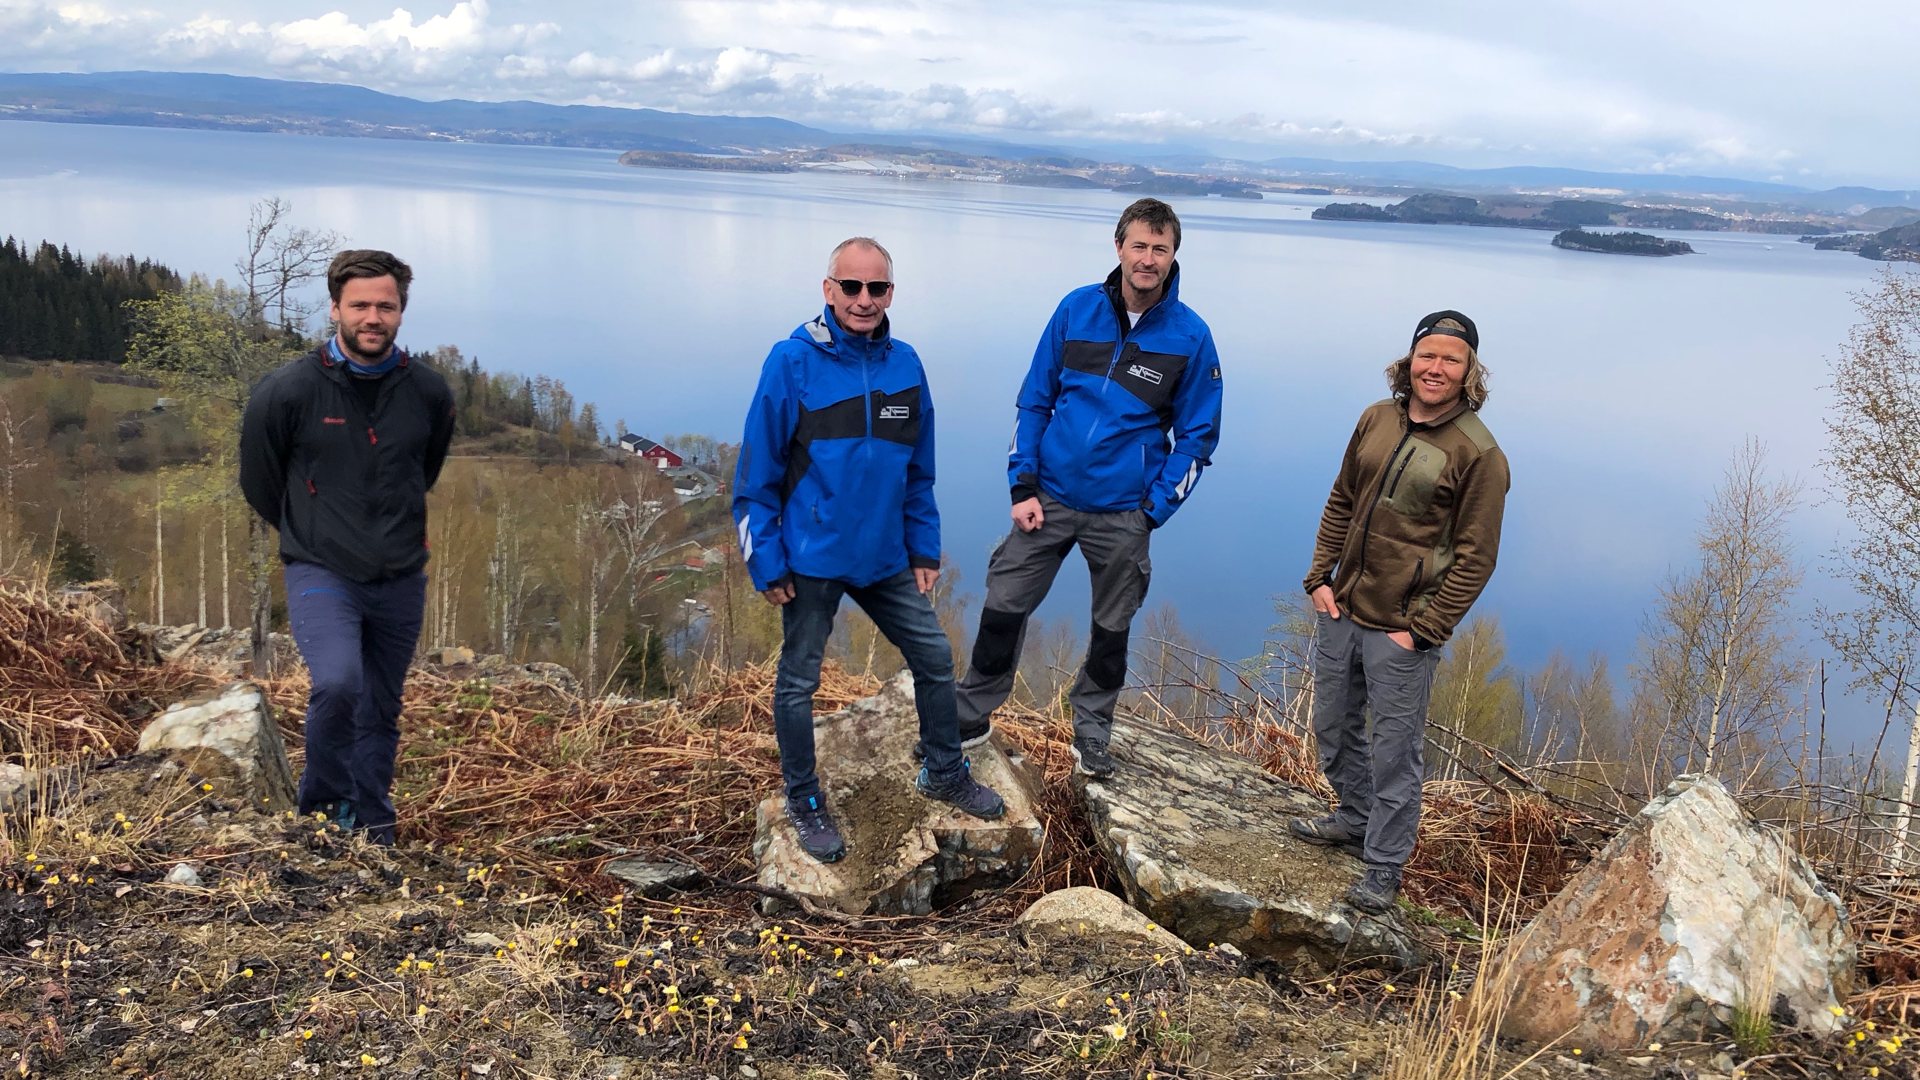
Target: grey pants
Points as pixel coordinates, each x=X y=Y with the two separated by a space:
x=1377 y=775
x=1018 y=576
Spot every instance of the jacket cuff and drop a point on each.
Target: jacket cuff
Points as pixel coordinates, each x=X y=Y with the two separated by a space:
x=1420 y=644
x=921 y=562
x=1025 y=487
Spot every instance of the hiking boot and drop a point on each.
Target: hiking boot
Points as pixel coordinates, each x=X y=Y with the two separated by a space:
x=1328 y=830
x=1375 y=892
x=814 y=825
x=1092 y=759
x=972 y=736
x=963 y=792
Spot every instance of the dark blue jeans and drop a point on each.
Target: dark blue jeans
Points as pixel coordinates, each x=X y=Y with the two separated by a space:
x=357 y=640
x=906 y=618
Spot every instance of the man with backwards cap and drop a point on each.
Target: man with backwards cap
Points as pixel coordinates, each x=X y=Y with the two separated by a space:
x=1407 y=542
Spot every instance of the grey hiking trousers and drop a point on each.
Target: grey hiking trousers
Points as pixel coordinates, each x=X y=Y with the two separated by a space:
x=1018 y=576
x=1376 y=774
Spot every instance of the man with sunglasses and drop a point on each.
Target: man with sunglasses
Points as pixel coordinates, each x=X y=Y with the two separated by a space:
x=1119 y=412
x=833 y=496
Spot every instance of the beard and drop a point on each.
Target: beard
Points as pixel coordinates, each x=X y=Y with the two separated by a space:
x=351 y=341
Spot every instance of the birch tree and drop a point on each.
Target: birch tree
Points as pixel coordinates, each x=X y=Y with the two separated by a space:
x=1872 y=466
x=1717 y=655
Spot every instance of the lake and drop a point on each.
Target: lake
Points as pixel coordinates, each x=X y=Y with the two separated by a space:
x=1621 y=386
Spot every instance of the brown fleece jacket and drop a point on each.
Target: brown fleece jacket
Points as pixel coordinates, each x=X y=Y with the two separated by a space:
x=1412 y=527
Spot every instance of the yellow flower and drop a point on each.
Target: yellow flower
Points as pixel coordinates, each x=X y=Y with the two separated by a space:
x=368 y=1060
x=206 y=787
x=306 y=1034
x=1388 y=987
x=1576 y=1051
x=1655 y=1047
x=622 y=962
x=747 y=1027
x=1116 y=1032
x=246 y=973
x=739 y=1042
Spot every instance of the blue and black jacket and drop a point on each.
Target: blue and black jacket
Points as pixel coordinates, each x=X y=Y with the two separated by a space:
x=1113 y=417
x=835 y=478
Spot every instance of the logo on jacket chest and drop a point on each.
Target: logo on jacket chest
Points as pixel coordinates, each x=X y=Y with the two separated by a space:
x=896 y=412
x=1141 y=371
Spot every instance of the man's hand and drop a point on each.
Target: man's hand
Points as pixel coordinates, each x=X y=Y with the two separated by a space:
x=924 y=577
x=1323 y=602
x=1402 y=638
x=1027 y=514
x=780 y=593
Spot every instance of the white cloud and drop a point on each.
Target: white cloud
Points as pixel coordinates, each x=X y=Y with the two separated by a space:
x=1727 y=87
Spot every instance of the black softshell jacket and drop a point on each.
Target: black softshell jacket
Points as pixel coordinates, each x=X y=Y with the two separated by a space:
x=347 y=490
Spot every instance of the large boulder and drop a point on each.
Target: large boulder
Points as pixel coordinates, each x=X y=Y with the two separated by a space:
x=1692 y=911
x=230 y=737
x=906 y=854
x=1199 y=840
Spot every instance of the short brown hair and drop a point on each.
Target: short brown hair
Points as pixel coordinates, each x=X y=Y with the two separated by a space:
x=1158 y=216
x=1473 y=381
x=367 y=263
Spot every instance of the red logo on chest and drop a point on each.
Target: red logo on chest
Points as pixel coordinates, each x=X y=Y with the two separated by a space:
x=333 y=419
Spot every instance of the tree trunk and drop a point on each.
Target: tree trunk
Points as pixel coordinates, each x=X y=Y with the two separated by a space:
x=260 y=569
x=1903 y=821
x=159 y=563
x=226 y=573
x=202 y=610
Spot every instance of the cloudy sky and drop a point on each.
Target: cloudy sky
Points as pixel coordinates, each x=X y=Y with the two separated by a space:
x=1779 y=89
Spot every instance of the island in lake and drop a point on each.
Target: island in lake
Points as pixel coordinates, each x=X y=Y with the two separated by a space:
x=1620 y=243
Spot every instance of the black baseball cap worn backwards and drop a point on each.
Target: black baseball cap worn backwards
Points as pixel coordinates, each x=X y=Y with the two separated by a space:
x=1429 y=325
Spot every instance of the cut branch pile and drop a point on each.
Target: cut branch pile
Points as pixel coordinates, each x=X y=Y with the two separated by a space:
x=66 y=684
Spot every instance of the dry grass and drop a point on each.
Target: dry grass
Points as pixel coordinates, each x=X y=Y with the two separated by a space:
x=520 y=795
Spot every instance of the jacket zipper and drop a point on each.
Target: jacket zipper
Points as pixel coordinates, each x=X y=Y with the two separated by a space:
x=1398 y=473
x=1366 y=527
x=1406 y=598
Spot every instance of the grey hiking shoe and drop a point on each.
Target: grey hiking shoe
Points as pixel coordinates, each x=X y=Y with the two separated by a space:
x=1375 y=892
x=1092 y=759
x=819 y=834
x=1328 y=830
x=963 y=792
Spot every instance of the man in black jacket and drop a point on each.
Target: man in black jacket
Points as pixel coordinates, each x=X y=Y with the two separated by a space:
x=337 y=451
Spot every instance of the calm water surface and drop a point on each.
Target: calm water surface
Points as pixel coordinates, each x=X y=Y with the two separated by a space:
x=1621 y=386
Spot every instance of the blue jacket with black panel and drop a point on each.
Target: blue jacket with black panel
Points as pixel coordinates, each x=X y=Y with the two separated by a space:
x=1113 y=417
x=835 y=477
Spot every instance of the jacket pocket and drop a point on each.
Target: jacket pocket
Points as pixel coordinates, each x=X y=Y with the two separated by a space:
x=1406 y=598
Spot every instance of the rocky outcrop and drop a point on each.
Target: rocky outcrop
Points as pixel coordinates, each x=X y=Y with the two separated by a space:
x=230 y=739
x=1084 y=910
x=656 y=879
x=1198 y=838
x=461 y=664
x=906 y=854
x=102 y=602
x=1692 y=911
x=225 y=652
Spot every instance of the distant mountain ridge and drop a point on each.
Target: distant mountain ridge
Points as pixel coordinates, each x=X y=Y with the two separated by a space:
x=243 y=103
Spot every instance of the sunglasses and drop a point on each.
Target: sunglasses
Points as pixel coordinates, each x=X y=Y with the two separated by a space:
x=875 y=289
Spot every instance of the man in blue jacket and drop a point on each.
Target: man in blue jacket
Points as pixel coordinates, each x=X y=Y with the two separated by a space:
x=833 y=496
x=1118 y=414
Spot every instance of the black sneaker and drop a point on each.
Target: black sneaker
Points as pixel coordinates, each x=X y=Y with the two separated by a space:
x=814 y=825
x=1328 y=830
x=971 y=737
x=963 y=792
x=1375 y=892
x=1092 y=759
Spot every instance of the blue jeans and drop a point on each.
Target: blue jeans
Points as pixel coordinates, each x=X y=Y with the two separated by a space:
x=906 y=618
x=357 y=640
